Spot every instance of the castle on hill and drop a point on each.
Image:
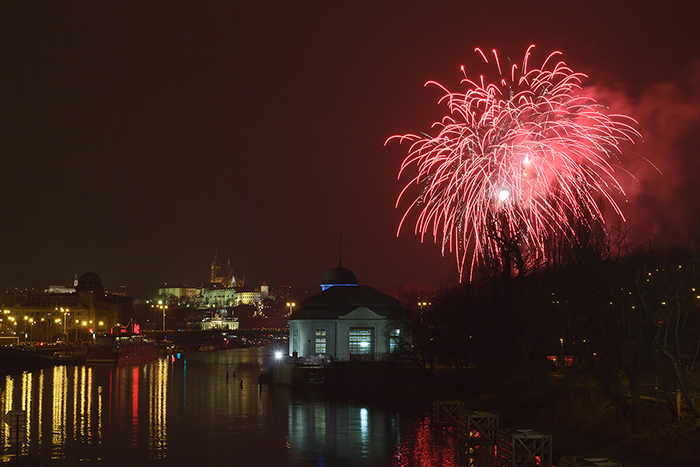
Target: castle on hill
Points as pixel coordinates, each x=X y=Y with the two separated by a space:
x=224 y=289
x=225 y=278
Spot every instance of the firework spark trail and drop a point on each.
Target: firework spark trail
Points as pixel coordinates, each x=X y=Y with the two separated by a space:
x=516 y=160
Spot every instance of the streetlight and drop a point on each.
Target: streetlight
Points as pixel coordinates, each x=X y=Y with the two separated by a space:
x=9 y=318
x=421 y=305
x=65 y=312
x=29 y=320
x=77 y=324
x=291 y=306
x=162 y=308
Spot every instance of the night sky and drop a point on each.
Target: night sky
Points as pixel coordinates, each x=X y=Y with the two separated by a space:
x=138 y=138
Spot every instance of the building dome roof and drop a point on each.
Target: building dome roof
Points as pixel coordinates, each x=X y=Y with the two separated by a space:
x=90 y=282
x=339 y=276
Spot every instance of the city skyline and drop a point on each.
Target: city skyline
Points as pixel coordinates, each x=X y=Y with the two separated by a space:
x=139 y=139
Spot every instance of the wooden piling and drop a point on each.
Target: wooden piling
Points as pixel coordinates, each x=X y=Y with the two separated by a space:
x=523 y=448
x=446 y=413
x=477 y=427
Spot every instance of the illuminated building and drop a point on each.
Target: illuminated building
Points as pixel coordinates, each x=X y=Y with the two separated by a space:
x=227 y=278
x=222 y=290
x=346 y=321
x=220 y=323
x=51 y=314
x=178 y=291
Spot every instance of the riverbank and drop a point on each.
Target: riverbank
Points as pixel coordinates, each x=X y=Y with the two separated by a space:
x=573 y=410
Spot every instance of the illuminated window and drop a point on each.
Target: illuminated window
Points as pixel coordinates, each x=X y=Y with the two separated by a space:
x=394 y=341
x=361 y=343
x=320 y=341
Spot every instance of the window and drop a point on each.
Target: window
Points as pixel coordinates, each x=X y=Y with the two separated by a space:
x=394 y=341
x=361 y=343
x=320 y=341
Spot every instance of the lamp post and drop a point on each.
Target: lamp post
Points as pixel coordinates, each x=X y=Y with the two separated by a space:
x=84 y=323
x=29 y=320
x=290 y=305
x=65 y=312
x=10 y=319
x=421 y=305
x=163 y=309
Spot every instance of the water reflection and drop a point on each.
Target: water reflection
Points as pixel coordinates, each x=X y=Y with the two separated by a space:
x=339 y=434
x=158 y=403
x=206 y=408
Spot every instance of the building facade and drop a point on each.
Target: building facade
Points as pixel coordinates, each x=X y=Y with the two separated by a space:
x=347 y=321
x=73 y=315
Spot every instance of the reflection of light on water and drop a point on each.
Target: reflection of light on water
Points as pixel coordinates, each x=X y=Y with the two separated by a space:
x=135 y=405
x=27 y=380
x=157 y=411
x=184 y=383
x=7 y=406
x=99 y=414
x=84 y=384
x=76 y=373
x=40 y=400
x=320 y=422
x=317 y=431
x=88 y=402
x=364 y=428
x=60 y=384
x=421 y=448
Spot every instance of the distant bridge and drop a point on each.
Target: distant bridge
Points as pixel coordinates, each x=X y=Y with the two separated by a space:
x=194 y=337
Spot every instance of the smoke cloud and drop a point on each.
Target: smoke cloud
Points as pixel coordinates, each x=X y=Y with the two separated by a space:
x=661 y=173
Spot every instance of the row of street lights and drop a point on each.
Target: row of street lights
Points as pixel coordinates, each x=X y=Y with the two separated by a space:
x=65 y=312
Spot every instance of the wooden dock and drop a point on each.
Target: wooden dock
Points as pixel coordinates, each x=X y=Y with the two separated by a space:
x=480 y=436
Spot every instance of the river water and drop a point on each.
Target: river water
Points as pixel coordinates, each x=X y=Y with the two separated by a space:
x=207 y=408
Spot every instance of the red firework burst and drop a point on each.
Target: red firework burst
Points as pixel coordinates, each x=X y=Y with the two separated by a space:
x=515 y=161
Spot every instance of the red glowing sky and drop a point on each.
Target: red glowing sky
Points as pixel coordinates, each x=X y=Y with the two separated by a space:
x=137 y=138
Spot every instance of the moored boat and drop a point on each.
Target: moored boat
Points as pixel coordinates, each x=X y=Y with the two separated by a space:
x=121 y=348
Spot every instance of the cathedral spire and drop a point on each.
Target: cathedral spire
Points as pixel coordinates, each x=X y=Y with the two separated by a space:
x=215 y=266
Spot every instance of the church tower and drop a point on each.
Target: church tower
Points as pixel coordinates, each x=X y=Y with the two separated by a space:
x=215 y=267
x=220 y=276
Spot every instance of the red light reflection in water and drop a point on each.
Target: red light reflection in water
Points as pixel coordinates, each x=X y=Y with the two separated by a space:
x=425 y=449
x=135 y=405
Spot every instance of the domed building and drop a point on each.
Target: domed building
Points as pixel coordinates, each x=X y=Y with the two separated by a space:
x=346 y=321
x=90 y=282
x=338 y=276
